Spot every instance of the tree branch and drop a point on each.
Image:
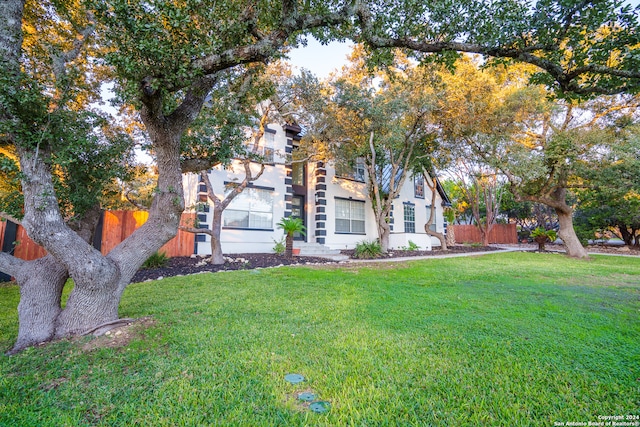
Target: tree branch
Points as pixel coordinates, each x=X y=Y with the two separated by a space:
x=195 y=230
x=59 y=61
x=11 y=265
x=566 y=79
x=190 y=107
x=266 y=46
x=134 y=203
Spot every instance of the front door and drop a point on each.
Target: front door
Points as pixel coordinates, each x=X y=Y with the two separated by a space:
x=297 y=211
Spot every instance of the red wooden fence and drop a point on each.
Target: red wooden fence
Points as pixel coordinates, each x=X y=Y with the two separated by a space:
x=117 y=226
x=500 y=233
x=26 y=248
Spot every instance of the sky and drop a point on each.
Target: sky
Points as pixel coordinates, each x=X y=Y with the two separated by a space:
x=320 y=60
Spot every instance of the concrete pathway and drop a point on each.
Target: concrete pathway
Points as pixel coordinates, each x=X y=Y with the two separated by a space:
x=503 y=249
x=452 y=255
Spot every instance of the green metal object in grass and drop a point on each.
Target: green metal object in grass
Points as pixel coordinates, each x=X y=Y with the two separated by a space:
x=294 y=378
x=307 y=396
x=320 y=407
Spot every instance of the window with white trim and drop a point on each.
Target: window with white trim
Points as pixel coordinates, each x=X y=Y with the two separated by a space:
x=253 y=208
x=264 y=147
x=418 y=186
x=350 y=216
x=268 y=144
x=409 y=218
x=354 y=170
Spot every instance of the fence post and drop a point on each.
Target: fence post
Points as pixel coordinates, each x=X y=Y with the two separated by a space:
x=9 y=237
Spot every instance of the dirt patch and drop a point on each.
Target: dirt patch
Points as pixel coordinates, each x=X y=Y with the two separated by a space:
x=120 y=336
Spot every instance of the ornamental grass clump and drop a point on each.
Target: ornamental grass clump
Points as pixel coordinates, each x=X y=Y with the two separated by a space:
x=157 y=260
x=368 y=250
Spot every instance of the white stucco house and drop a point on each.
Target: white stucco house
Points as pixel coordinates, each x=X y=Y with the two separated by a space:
x=334 y=206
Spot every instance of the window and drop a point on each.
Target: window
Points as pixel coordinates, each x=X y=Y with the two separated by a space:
x=349 y=216
x=264 y=148
x=253 y=208
x=267 y=147
x=297 y=173
x=418 y=186
x=409 y=218
x=351 y=170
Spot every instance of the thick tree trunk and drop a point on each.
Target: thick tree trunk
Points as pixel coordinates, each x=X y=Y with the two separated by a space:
x=439 y=236
x=451 y=236
x=568 y=234
x=383 y=233
x=41 y=283
x=92 y=273
x=217 y=257
x=11 y=34
x=99 y=280
x=557 y=200
x=484 y=235
x=486 y=231
x=89 y=305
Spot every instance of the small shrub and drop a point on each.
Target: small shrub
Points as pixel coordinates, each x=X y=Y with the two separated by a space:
x=410 y=247
x=524 y=235
x=291 y=225
x=542 y=236
x=472 y=244
x=157 y=260
x=279 y=247
x=368 y=250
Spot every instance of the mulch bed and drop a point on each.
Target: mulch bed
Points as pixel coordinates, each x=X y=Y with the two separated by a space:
x=181 y=266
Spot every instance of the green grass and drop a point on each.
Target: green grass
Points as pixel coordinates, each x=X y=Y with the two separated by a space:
x=498 y=340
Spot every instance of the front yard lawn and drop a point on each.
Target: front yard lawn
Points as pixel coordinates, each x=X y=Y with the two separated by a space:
x=497 y=340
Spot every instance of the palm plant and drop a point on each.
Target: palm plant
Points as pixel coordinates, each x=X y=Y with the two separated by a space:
x=290 y=226
x=542 y=236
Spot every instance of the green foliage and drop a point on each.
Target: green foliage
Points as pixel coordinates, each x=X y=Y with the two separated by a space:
x=542 y=236
x=10 y=190
x=85 y=153
x=368 y=250
x=449 y=214
x=291 y=225
x=483 y=329
x=609 y=192
x=411 y=247
x=548 y=235
x=157 y=260
x=279 y=246
x=51 y=118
